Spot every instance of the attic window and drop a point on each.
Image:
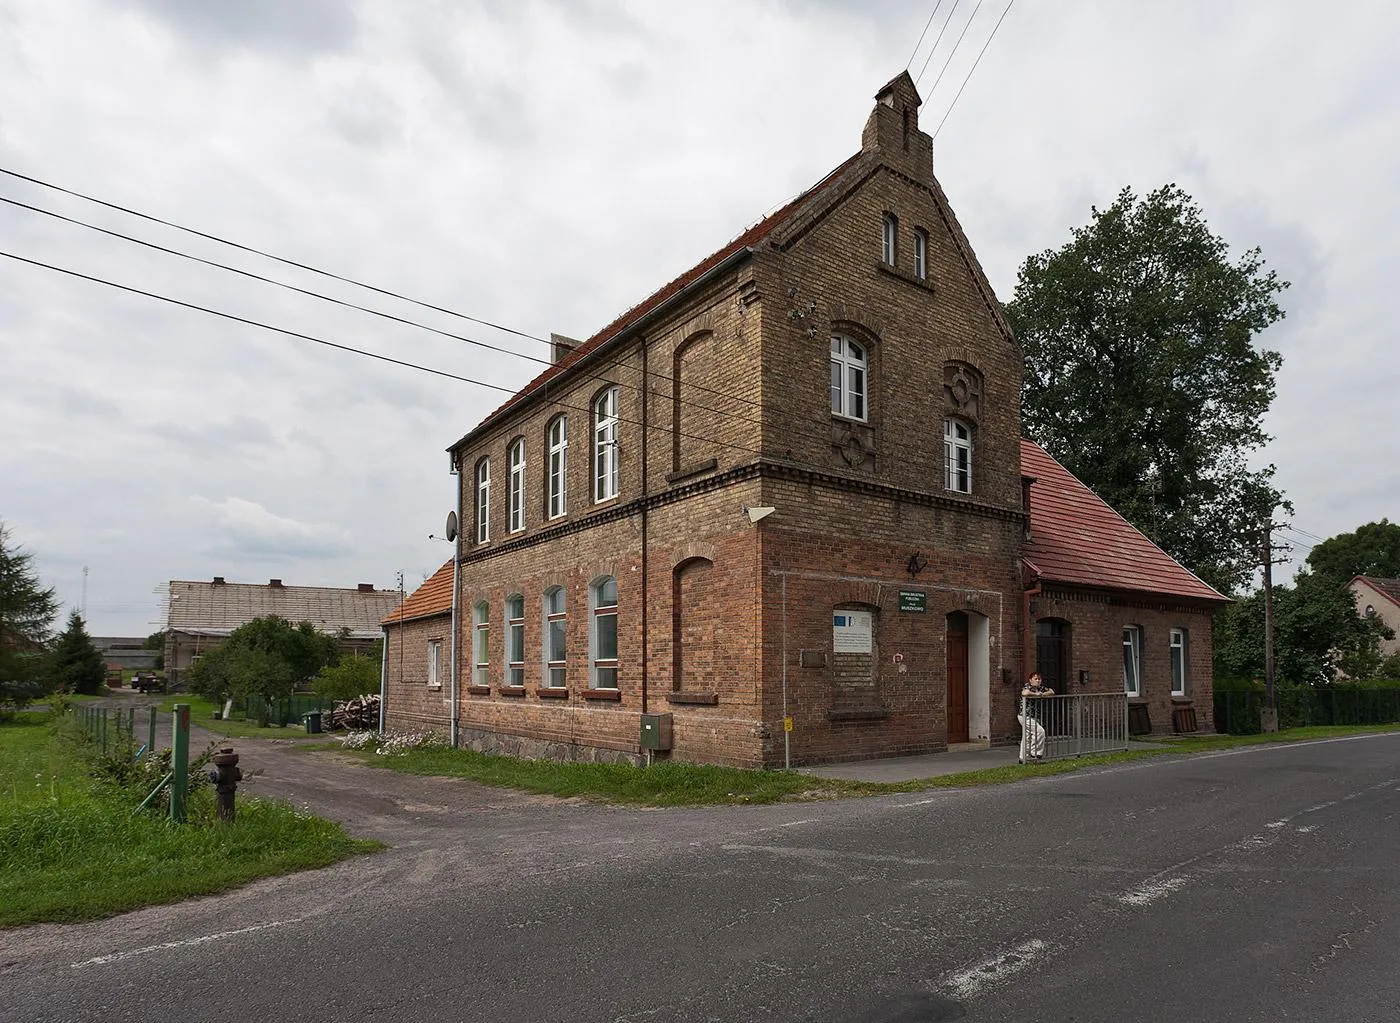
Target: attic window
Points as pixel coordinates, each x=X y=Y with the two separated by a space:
x=889 y=251
x=920 y=254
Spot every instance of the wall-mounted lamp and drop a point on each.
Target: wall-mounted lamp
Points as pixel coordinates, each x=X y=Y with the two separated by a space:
x=755 y=515
x=916 y=563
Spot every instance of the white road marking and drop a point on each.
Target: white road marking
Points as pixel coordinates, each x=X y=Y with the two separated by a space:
x=1307 y=828
x=793 y=824
x=117 y=957
x=971 y=980
x=1150 y=892
x=1321 y=806
x=1278 y=824
x=917 y=802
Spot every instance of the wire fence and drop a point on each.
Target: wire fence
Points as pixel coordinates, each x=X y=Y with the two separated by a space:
x=1055 y=727
x=1238 y=712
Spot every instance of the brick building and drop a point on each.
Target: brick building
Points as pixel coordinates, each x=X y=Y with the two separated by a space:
x=788 y=485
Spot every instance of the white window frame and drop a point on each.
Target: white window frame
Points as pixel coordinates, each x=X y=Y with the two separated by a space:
x=515 y=639
x=850 y=383
x=603 y=670
x=556 y=670
x=516 y=496
x=557 y=469
x=605 y=461
x=1132 y=654
x=1179 y=645
x=434 y=664
x=958 y=470
x=481 y=644
x=483 y=500
x=921 y=254
x=889 y=240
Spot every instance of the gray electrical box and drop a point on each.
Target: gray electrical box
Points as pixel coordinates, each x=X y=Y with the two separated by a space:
x=656 y=731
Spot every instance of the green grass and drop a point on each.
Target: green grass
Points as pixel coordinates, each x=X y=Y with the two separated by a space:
x=202 y=714
x=71 y=849
x=672 y=784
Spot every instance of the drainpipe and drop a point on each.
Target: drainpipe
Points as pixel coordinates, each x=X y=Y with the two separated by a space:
x=383 y=676
x=1027 y=635
x=646 y=386
x=456 y=589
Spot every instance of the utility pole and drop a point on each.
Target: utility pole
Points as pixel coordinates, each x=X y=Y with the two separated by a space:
x=1268 y=721
x=84 y=612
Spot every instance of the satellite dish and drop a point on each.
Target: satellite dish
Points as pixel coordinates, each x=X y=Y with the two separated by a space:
x=451 y=530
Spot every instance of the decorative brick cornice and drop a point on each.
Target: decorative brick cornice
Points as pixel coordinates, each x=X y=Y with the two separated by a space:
x=1143 y=600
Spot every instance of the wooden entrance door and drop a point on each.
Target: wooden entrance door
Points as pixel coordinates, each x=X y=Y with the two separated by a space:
x=957 y=677
x=1052 y=654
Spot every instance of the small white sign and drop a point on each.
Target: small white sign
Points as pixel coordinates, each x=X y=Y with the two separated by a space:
x=851 y=632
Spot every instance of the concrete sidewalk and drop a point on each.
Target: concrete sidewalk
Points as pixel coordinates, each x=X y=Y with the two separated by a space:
x=971 y=757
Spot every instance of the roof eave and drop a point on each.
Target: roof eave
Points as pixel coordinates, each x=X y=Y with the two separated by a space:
x=725 y=265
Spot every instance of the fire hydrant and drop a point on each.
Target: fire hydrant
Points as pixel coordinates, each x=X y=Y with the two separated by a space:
x=226 y=775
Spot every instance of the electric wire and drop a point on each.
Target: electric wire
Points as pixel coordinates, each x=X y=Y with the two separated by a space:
x=340 y=347
x=946 y=22
x=972 y=69
x=956 y=46
x=922 y=34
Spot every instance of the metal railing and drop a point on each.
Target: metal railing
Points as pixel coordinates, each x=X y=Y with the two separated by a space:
x=1055 y=727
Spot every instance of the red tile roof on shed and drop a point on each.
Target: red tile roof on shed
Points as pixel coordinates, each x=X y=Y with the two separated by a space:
x=434 y=597
x=1076 y=538
x=657 y=299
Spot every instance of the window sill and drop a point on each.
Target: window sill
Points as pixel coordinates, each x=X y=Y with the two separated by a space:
x=693 y=697
x=435 y=688
x=516 y=691
x=919 y=282
x=1180 y=698
x=613 y=695
x=708 y=465
x=864 y=714
x=478 y=690
x=552 y=692
x=598 y=502
x=845 y=420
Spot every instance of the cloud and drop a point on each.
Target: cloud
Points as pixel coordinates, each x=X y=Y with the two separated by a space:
x=302 y=26
x=244 y=529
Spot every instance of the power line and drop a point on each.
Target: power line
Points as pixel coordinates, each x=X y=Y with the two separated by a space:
x=946 y=21
x=336 y=345
x=922 y=34
x=973 y=68
x=956 y=46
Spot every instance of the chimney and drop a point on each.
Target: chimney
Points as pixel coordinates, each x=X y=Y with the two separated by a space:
x=275 y=584
x=893 y=130
x=562 y=348
x=366 y=587
x=218 y=580
x=1026 y=483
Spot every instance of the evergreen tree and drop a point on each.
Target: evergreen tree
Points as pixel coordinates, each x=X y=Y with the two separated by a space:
x=75 y=665
x=26 y=610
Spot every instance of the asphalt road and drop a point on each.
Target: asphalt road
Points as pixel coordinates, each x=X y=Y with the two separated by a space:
x=1260 y=884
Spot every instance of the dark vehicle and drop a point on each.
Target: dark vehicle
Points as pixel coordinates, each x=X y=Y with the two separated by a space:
x=148 y=682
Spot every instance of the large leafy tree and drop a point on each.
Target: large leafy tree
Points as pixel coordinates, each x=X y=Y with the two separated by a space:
x=265 y=658
x=1143 y=376
x=75 y=664
x=1372 y=549
x=27 y=609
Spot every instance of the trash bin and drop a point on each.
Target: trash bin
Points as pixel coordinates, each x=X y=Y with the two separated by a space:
x=312 y=721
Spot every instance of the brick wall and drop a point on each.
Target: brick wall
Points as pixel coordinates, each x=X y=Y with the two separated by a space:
x=410 y=705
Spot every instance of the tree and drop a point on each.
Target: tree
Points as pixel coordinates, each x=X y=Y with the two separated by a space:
x=75 y=665
x=1372 y=549
x=156 y=641
x=348 y=678
x=265 y=658
x=1143 y=378
x=27 y=611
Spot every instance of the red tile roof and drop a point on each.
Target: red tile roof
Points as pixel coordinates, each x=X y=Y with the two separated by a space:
x=1388 y=588
x=1076 y=538
x=656 y=300
x=434 y=597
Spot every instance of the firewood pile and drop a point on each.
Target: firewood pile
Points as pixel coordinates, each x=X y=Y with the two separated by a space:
x=357 y=714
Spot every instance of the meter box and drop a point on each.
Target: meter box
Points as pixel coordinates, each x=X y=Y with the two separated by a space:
x=656 y=731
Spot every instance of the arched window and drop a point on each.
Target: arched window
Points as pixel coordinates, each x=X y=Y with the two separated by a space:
x=603 y=634
x=556 y=627
x=517 y=485
x=483 y=500
x=920 y=253
x=557 y=503
x=889 y=250
x=515 y=639
x=481 y=644
x=605 y=446
x=957 y=455
x=848 y=378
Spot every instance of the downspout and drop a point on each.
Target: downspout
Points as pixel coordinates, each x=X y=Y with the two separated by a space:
x=646 y=646
x=383 y=676
x=456 y=589
x=1027 y=635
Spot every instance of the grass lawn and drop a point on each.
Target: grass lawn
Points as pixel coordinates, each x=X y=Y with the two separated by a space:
x=672 y=784
x=70 y=848
x=202 y=714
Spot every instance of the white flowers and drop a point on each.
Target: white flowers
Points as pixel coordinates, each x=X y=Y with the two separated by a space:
x=393 y=745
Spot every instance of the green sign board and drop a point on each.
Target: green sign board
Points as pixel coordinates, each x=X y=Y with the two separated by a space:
x=913 y=600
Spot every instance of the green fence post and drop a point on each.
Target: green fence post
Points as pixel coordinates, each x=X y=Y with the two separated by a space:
x=102 y=729
x=151 y=737
x=179 y=762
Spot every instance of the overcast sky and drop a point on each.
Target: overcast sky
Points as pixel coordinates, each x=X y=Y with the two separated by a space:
x=547 y=165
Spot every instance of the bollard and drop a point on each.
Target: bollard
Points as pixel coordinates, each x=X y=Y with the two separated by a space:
x=151 y=738
x=226 y=775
